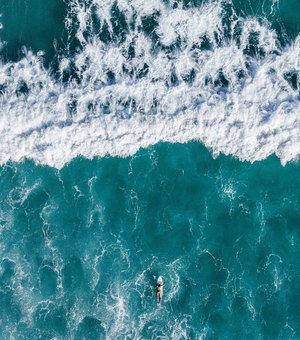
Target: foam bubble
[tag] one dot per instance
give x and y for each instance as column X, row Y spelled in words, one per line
column 176, row 77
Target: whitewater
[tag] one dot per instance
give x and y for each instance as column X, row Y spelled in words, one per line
column 160, row 72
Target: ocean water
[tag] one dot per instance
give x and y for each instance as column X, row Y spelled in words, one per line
column 146, row 138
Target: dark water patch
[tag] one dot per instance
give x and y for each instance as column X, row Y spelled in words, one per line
column 293, row 79
column 130, row 53
column 254, row 48
column 104, row 33
column 192, row 3
column 90, row 328
column 2, row 89
column 50, row 320
column 111, row 78
column 95, row 21
column 150, row 24
column 272, row 310
column 221, row 80
column 205, row 44
column 119, row 24
column 48, row 280
column 10, row 311
column 22, row 88
column 34, row 24
column 73, row 274
column 228, row 17
column 7, row 272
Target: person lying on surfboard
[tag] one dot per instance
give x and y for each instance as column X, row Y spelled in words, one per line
column 159, row 289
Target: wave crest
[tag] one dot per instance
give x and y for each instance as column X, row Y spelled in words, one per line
column 144, row 73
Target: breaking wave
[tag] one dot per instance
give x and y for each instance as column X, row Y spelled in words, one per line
column 145, row 72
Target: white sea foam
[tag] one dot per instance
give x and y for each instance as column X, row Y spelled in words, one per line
column 251, row 117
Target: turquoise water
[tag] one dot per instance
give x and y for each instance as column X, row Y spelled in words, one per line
column 85, row 233
column 34, row 24
column 82, row 247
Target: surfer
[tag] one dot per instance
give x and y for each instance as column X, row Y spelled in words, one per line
column 159, row 289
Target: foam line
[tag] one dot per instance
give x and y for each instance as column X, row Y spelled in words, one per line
column 186, row 76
